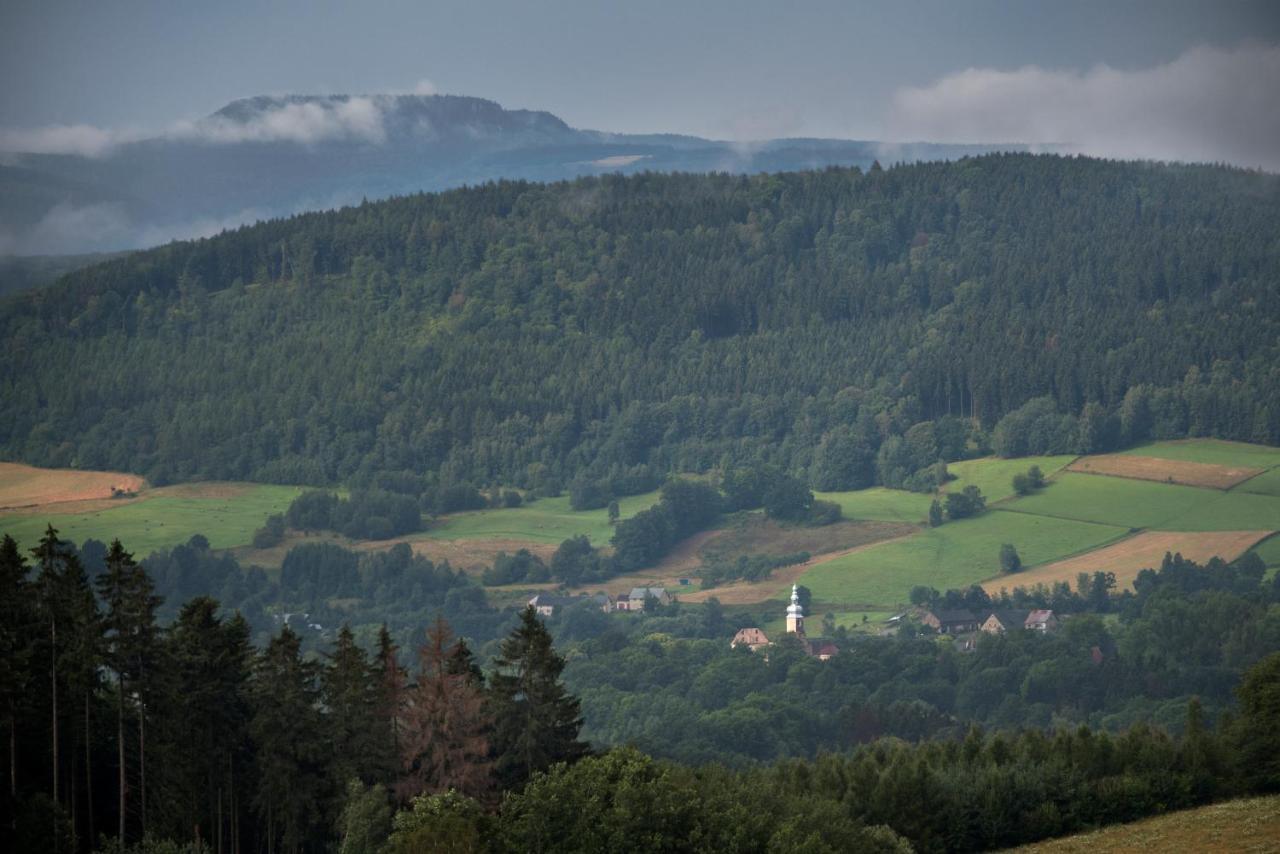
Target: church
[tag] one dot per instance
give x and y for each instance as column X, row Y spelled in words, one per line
column 755, row 639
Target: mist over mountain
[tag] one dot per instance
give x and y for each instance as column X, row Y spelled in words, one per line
column 265, row 157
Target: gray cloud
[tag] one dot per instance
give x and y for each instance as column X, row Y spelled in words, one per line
column 1209, row 104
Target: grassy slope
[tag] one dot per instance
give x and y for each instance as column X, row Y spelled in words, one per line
column 955, row 555
column 164, row 518
column 1213, row 451
column 547, row 520
column 880, row 504
column 994, row 476
column 1267, row 483
column 1244, row 826
column 1146, row 504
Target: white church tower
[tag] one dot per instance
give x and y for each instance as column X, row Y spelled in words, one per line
column 795, row 614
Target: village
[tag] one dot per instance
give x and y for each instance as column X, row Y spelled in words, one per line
column 962, row 625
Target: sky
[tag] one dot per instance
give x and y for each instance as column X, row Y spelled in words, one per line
column 1162, row 78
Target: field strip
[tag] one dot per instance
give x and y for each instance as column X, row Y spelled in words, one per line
column 1162, row 470
column 752, row 592
column 1129, row 556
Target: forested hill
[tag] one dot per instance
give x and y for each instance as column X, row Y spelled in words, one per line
column 529, row 334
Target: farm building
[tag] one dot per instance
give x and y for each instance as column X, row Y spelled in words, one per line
column 752, row 638
column 951, row 622
column 755, row 639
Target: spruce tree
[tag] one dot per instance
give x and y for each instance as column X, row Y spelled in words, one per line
column 350, row 694
column 287, row 732
column 131, row 647
column 536, row 721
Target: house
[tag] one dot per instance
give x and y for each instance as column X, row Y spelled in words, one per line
column 999, row 622
column 634, row 601
column 546, row 604
column 823, row 649
column 951, row 622
column 1041, row 621
column 752, row 638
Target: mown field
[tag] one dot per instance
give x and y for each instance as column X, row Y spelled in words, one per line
column 1251, row 825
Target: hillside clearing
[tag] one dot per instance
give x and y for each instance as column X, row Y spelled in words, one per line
column 23, row 486
column 881, row 504
column 547, row 520
column 994, row 475
column 1131, row 555
column 1208, row 475
column 1251, row 825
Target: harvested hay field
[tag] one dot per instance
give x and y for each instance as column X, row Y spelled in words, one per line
column 1131, row 555
column 23, row 486
column 1251, row 825
column 1163, row 470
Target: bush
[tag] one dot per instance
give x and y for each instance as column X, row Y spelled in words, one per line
column 271, row 534
column 1009, row 560
column 967, row 502
column 824, row 513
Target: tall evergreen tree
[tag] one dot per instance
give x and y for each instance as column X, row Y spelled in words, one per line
column 132, row 648
column 16, row 649
column 536, row 721
column 350, row 690
column 287, row 731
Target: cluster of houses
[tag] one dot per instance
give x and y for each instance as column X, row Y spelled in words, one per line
column 547, row 604
column 756, row 640
column 964, row 625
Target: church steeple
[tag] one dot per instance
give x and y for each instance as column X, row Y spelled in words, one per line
column 795, row 613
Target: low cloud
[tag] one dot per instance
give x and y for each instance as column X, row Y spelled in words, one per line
column 1209, row 104
column 82, row 140
column 306, row 123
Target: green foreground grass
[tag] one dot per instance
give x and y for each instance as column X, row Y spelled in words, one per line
column 547, row 520
column 954, row 555
column 163, row 520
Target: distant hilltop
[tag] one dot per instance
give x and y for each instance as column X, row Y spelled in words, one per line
column 270, row 156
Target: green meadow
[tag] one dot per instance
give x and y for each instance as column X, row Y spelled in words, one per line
column 1269, row 550
column 954, row 555
column 164, row 519
column 1214, row 451
column 1148, row 504
column 881, row 505
column 994, row 476
column 1267, row 483
column 547, row 520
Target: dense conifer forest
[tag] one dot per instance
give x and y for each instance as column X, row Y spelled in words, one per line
column 620, row 328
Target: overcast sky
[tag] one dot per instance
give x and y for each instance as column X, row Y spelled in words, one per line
column 1164, row 78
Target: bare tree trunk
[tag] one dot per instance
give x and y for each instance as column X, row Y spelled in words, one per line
column 120, row 752
column 53, row 679
column 142, row 764
column 88, row 767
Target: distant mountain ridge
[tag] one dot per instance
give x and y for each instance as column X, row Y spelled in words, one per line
column 269, row 156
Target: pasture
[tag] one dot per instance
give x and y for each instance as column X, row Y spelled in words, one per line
column 881, row 504
column 954, row 555
column 1161, row 470
column 1214, row 451
column 994, row 476
column 1251, row 825
column 1267, row 483
column 226, row 513
column 547, row 520
column 1131, row 555
column 1143, row 504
